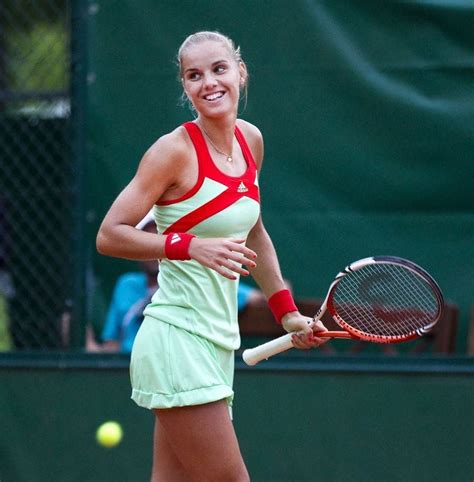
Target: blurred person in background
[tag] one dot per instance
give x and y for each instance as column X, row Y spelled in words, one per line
column 7, row 288
column 7, row 293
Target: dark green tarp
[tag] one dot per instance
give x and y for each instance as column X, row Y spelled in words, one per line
column 367, row 110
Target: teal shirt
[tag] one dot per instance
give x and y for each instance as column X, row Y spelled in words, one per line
column 125, row 313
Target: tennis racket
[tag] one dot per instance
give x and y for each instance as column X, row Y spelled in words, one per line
column 382, row 299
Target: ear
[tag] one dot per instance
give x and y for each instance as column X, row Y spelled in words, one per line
column 185, row 94
column 243, row 73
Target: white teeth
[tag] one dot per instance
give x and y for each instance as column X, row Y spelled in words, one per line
column 214, row 96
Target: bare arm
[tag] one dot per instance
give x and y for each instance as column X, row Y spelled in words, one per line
column 267, row 273
column 117, row 235
column 268, row 276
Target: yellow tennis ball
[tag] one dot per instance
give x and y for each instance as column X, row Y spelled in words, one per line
column 109, row 434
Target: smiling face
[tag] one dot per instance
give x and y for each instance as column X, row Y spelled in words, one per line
column 212, row 78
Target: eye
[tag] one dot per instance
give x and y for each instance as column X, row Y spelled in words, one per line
column 219, row 69
column 193, row 76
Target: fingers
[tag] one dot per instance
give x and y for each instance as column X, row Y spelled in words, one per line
column 232, row 262
column 307, row 338
column 224, row 272
column 303, row 340
column 303, row 337
column 241, row 254
column 233, row 268
column 226, row 256
column 318, row 327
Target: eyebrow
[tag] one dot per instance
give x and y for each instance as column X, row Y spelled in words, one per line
column 192, row 69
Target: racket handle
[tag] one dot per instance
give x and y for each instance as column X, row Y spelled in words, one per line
column 254, row 355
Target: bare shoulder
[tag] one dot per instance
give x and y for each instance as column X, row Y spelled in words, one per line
column 168, row 168
column 169, row 148
column 254, row 139
column 163, row 164
column 250, row 131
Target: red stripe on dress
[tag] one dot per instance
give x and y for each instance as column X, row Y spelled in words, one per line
column 212, row 207
column 252, row 193
column 245, row 150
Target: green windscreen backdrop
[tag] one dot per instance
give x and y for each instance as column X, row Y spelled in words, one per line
column 367, row 111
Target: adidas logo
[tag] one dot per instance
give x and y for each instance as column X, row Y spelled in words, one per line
column 176, row 238
column 242, row 187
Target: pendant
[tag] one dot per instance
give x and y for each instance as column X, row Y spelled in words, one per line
column 229, row 159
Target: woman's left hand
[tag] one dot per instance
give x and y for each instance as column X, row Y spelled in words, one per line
column 303, row 330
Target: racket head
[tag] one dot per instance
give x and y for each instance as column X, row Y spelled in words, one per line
column 385, row 299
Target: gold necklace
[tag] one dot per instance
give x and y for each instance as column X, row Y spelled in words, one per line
column 228, row 157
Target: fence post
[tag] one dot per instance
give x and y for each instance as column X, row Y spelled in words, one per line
column 78, row 127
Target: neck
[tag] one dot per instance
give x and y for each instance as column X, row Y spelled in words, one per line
column 220, row 130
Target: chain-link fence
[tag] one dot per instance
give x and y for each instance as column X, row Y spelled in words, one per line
column 35, row 174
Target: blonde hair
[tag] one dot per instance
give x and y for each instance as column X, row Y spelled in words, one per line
column 205, row 36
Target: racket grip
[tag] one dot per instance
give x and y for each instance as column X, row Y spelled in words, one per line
column 252, row 356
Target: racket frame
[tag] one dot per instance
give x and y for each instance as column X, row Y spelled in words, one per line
column 394, row 260
column 253, row 355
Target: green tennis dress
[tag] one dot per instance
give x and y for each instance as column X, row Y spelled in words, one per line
column 183, row 353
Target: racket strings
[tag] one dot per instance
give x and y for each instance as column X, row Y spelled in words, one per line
column 386, row 307
column 385, row 300
column 406, row 309
column 396, row 305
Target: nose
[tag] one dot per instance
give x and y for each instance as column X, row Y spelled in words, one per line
column 209, row 80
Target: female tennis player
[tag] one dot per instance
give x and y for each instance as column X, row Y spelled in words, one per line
column 202, row 182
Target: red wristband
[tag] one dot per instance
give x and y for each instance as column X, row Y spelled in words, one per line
column 281, row 303
column 177, row 246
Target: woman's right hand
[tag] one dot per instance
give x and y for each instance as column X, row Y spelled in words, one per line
column 223, row 255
